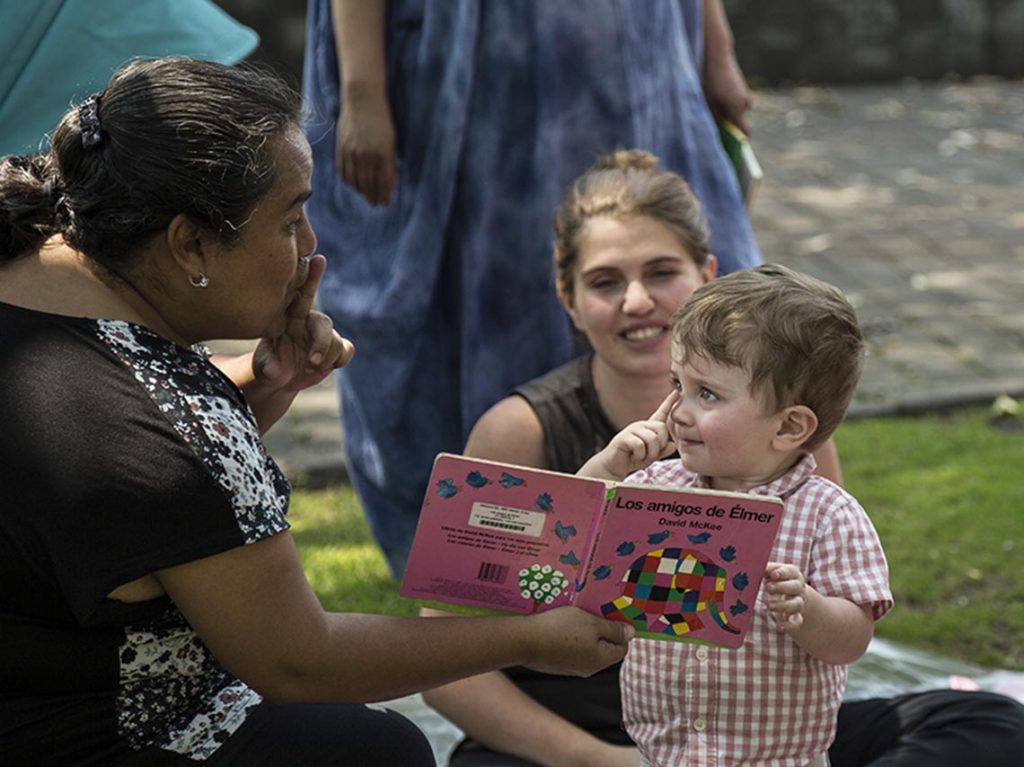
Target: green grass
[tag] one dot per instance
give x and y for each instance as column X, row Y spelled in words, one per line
column 342, row 561
column 946, row 493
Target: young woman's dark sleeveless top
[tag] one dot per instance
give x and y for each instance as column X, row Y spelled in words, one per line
column 565, row 401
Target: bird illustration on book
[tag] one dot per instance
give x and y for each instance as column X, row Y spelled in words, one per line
column 570, row 559
column 544, row 502
column 700, row 538
column 564, row 532
column 510, row 480
column 668, row 590
column 602, row 572
column 626, row 548
column 727, row 553
column 476, row 479
column 446, row 488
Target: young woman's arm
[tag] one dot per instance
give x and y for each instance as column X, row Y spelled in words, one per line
column 509, row 432
column 827, row 458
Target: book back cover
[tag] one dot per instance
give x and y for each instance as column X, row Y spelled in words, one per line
column 499, row 537
column 681, row 563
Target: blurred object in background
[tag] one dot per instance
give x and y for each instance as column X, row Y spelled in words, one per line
column 282, row 28
column 811, row 41
column 837, row 41
column 57, row 52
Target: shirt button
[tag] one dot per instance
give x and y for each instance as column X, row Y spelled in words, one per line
column 699, row 724
column 702, row 653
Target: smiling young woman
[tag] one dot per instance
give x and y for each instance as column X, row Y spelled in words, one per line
column 633, row 274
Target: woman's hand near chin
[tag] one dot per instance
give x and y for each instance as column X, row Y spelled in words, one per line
column 303, row 355
column 308, row 349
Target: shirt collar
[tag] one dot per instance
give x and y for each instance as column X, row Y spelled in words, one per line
column 785, row 485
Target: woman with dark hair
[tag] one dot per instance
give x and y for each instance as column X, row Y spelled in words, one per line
column 156, row 611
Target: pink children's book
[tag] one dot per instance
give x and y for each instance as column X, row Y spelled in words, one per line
column 677, row 563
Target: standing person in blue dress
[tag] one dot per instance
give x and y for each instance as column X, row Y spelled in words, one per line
column 444, row 133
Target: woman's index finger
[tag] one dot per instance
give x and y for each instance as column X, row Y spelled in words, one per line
column 307, row 293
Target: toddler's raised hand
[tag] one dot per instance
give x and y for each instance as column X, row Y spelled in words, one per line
column 784, row 587
column 636, row 447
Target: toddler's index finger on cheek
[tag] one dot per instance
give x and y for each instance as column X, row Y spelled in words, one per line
column 661, row 414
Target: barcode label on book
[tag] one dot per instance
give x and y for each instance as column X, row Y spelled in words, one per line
column 494, row 517
column 492, row 572
column 503, row 525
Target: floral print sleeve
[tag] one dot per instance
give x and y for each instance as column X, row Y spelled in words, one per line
column 212, row 418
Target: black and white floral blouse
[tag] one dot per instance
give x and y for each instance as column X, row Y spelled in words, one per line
column 121, row 453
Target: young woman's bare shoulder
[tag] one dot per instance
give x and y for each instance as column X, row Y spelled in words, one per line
column 510, row 432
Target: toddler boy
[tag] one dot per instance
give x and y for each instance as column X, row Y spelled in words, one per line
column 764, row 364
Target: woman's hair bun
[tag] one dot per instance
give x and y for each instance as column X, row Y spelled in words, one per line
column 27, row 204
column 626, row 159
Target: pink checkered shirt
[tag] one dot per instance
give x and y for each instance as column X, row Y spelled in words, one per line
column 768, row 702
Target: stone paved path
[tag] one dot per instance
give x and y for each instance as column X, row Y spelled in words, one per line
column 911, row 199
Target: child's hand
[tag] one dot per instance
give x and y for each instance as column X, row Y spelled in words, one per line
column 784, row 587
column 636, row 447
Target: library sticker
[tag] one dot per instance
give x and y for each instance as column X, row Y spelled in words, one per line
column 490, row 516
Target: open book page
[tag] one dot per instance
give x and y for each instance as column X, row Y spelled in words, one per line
column 681, row 563
column 501, row 537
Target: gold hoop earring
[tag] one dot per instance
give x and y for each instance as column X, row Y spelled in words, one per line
column 202, row 282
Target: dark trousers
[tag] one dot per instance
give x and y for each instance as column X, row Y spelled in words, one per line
column 324, row 736
column 938, row 728
column 273, row 735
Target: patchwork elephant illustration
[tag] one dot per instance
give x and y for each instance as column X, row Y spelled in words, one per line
column 668, row 590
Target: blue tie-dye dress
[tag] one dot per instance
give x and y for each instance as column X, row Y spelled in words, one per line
column 448, row 293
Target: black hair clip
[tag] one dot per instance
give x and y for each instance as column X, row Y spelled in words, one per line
column 89, row 122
